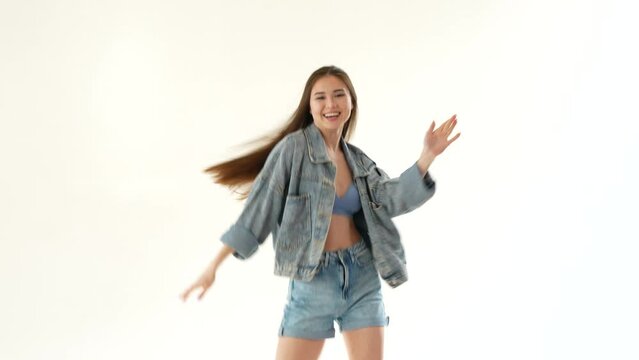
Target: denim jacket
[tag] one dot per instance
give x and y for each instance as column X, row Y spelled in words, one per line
column 292, row 198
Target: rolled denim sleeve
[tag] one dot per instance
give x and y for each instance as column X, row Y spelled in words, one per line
column 405, row 193
column 262, row 208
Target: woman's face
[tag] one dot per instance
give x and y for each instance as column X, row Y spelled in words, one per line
column 331, row 104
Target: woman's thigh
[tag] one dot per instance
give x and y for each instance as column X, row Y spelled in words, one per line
column 365, row 343
column 289, row 348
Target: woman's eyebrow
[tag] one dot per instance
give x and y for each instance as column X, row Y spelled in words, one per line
column 322, row 92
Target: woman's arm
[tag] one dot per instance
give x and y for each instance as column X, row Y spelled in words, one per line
column 208, row 276
column 257, row 219
column 414, row 186
column 435, row 142
column 424, row 161
column 264, row 204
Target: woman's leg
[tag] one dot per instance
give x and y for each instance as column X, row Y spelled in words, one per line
column 289, row 348
column 366, row 343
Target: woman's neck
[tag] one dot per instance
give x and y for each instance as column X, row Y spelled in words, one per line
column 331, row 140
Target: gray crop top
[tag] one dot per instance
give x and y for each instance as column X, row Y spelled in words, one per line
column 349, row 204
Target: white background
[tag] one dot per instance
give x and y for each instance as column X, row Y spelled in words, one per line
column 111, row 110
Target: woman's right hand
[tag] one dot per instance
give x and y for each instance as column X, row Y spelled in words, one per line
column 204, row 281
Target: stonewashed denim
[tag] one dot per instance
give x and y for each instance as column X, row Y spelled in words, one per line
column 292, row 198
column 346, row 289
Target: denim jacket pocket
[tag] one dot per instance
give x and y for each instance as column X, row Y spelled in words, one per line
column 296, row 222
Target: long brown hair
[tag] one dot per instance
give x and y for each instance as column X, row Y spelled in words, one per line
column 239, row 173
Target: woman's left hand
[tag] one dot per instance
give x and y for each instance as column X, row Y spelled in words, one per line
column 436, row 141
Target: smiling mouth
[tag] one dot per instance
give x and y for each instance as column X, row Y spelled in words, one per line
column 331, row 116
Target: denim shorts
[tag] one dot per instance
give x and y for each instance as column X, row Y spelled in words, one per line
column 346, row 289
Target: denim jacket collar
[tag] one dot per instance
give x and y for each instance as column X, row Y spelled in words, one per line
column 318, row 154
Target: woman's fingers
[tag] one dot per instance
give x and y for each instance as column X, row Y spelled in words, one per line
column 454, row 138
column 204, row 289
column 197, row 284
column 451, row 124
column 205, row 281
column 186, row 292
column 437, row 141
column 448, row 124
column 442, row 126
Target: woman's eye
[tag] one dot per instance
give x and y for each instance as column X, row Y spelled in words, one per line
column 319, row 98
column 339, row 95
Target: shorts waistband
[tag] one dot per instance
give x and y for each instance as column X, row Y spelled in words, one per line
column 349, row 252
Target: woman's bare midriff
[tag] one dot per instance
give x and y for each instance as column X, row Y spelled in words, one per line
column 342, row 233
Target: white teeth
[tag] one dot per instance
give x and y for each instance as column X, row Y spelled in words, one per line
column 331, row 114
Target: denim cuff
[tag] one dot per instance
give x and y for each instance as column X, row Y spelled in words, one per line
column 415, row 175
column 428, row 180
column 241, row 240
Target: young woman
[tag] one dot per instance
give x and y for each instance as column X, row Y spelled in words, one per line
column 329, row 208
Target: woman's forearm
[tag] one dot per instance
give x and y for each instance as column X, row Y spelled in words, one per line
column 221, row 255
column 424, row 161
